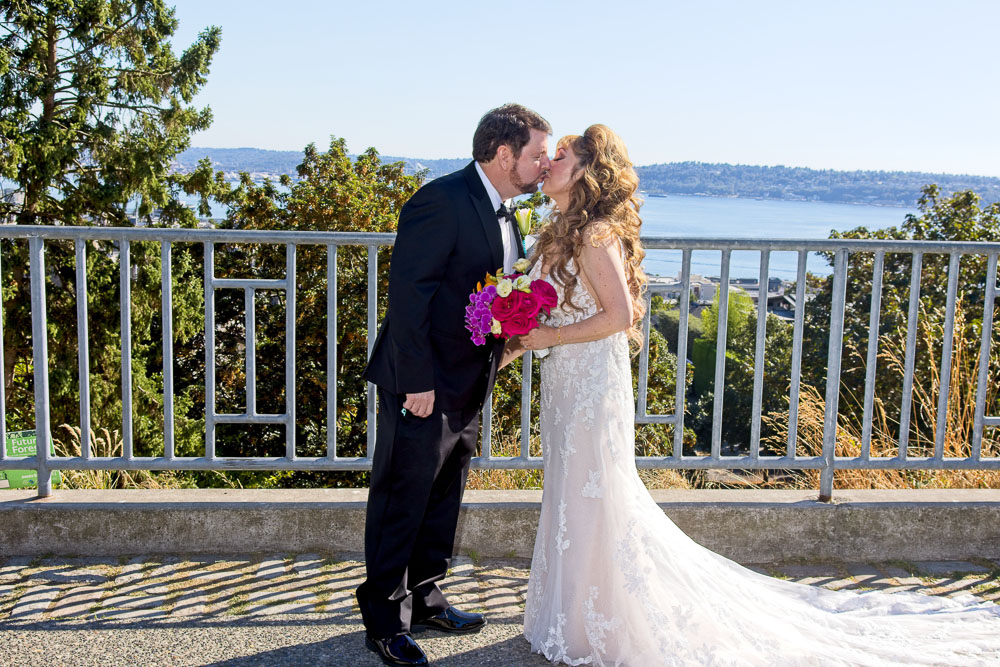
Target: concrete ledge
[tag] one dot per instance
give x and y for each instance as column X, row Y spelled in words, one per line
column 747, row 526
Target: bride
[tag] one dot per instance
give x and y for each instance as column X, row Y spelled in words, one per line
column 613, row 581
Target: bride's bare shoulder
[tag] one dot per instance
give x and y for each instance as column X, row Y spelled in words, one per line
column 599, row 233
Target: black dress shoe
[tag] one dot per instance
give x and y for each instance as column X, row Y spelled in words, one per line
column 398, row 650
column 452, row 620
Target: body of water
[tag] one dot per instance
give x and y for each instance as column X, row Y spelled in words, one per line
column 730, row 218
column 678, row 216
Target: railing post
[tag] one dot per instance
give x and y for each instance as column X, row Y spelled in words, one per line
column 290, row 273
column 331, row 351
column 3, row 376
column 833, row 375
column 372, row 325
column 125, row 269
column 167, row 315
column 722, row 329
column 40, row 358
column 83, row 346
column 984, row 356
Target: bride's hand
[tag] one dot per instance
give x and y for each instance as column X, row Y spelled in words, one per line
column 539, row 338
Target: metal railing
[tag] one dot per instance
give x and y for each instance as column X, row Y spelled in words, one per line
column 826, row 462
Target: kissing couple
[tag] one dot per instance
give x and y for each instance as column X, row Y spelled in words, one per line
column 613, row 581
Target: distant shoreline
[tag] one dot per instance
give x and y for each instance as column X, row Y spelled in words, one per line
column 804, row 201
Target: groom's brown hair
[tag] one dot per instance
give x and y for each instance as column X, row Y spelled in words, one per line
column 509, row 125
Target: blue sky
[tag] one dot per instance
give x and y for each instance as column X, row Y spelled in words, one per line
column 879, row 84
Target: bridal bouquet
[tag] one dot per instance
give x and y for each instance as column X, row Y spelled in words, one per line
column 507, row 304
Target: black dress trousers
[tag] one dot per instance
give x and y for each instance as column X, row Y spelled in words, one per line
column 419, row 471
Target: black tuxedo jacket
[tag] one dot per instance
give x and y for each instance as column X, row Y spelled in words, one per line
column 447, row 240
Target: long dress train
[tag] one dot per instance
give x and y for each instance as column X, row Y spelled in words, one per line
column 615, row 582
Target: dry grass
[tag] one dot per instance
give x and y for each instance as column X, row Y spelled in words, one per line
column 507, row 442
column 885, row 430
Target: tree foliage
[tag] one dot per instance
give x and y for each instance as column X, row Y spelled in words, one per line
column 94, row 104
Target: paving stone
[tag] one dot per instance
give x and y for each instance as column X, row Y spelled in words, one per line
column 805, row 570
column 309, row 565
column 341, row 602
column 134, row 601
column 132, row 571
column 126, row 614
column 34, row 601
column 14, row 569
column 836, row 583
column 190, row 604
column 142, row 589
column 281, row 602
column 868, row 576
column 951, row 587
column 66, row 574
column 203, row 576
column 461, row 566
column 947, row 567
column 270, row 569
column 166, row 570
column 502, row 601
column 79, row 601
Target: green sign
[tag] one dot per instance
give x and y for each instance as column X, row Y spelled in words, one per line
column 22, row 443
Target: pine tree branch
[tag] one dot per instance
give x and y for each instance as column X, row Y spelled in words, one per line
column 102, row 40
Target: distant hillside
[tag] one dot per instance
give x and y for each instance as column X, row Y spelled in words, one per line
column 887, row 188
column 891, row 188
column 263, row 163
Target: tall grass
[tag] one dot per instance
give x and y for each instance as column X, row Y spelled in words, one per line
column 885, row 430
column 107, row 444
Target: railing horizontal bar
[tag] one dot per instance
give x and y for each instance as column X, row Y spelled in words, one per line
column 278, row 237
column 239, row 283
column 250, row 419
column 358, row 463
column 363, row 238
column 991, row 421
column 656, row 419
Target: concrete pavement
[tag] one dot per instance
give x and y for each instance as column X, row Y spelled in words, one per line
column 299, row 609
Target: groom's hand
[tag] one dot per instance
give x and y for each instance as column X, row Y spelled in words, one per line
column 420, row 405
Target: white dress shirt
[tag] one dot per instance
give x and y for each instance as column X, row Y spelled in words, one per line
column 506, row 233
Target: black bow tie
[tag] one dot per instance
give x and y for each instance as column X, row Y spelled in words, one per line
column 505, row 213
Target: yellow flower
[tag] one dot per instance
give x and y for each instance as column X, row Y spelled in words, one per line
column 495, row 327
column 522, row 283
column 504, row 288
column 521, row 265
column 523, row 217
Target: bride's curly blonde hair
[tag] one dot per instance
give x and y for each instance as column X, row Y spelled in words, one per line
column 603, row 205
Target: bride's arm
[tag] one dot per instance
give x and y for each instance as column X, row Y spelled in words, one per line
column 604, row 270
column 511, row 351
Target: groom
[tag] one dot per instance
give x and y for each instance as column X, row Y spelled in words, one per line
column 432, row 380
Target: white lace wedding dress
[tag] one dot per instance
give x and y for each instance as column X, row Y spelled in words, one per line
column 615, row 582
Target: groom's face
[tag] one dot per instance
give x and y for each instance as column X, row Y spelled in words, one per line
column 533, row 163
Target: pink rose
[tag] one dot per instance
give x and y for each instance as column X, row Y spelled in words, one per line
column 505, row 307
column 518, row 325
column 530, row 304
column 545, row 294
